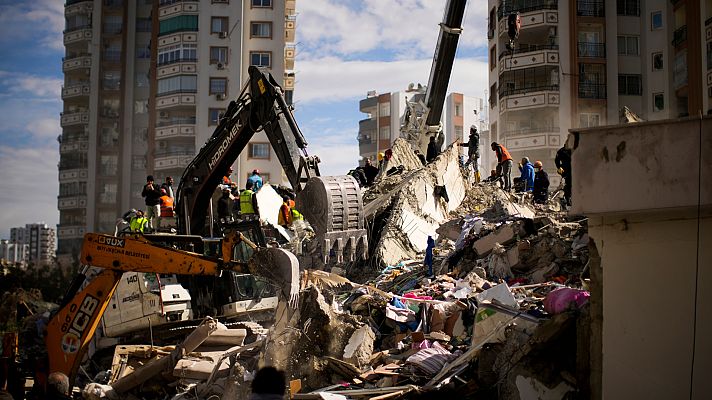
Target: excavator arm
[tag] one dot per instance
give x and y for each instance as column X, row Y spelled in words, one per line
column 72, row 327
column 331, row 204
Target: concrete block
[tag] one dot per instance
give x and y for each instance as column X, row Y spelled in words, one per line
column 513, row 256
column 503, row 235
column 360, row 346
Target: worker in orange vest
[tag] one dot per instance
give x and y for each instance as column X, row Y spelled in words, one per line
column 504, row 164
column 167, row 212
column 285, row 213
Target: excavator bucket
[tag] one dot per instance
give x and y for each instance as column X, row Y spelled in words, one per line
column 279, row 267
column 334, row 207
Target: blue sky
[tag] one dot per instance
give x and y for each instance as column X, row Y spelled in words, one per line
column 344, row 49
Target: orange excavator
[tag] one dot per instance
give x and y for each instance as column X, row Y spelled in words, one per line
column 331, row 204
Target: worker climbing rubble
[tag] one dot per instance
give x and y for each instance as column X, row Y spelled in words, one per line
column 504, row 165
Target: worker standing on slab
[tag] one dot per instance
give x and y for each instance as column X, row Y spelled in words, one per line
column 167, row 212
column 433, row 151
column 370, row 171
column 285, row 213
column 226, row 180
column 153, row 202
column 168, row 186
column 527, row 177
column 563, row 167
column 256, row 180
column 248, row 203
column 541, row 184
column 139, row 223
column 473, row 151
column 225, row 206
column 504, row 164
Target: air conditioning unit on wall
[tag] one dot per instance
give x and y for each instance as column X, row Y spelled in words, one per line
column 220, row 65
column 220, row 96
column 222, row 35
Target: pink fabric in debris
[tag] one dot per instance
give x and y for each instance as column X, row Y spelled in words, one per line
column 560, row 300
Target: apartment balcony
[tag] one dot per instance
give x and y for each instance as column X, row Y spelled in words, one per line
column 368, row 105
column 72, row 7
column 73, row 175
column 179, row 99
column 67, row 231
column 591, row 50
column 74, row 146
column 590, row 8
column 535, row 96
column 290, row 7
column 74, row 118
column 527, row 56
column 70, row 202
column 76, row 91
column 77, row 35
column 171, row 8
column 289, row 81
column 366, row 146
column 290, row 52
column 532, row 139
column 596, row 91
column 177, row 38
column 181, row 66
column 542, row 18
column 367, row 125
column 82, row 61
column 176, row 130
column 168, row 161
column 524, row 6
column 290, row 26
column 679, row 36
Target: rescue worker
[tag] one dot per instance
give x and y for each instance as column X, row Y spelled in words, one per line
column 370, row 171
column 166, row 207
column 226, row 180
column 139, row 222
column 563, row 167
column 527, row 177
column 225, row 206
column 473, row 151
column 433, row 151
column 153, row 202
column 493, row 176
column 504, row 164
column 285, row 213
column 248, row 202
column 168, row 186
column 541, row 184
column 256, row 180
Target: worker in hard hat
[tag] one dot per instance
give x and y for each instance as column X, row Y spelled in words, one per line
column 504, row 164
column 541, row 184
column 256, row 180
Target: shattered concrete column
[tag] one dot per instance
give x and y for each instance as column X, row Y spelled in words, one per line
column 141, row 375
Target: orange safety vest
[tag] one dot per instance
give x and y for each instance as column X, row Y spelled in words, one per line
column 505, row 154
column 285, row 215
column 166, row 206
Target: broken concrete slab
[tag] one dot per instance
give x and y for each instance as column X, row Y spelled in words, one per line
column 360, row 346
column 504, row 235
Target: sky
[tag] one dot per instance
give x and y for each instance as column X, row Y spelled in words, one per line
column 345, row 48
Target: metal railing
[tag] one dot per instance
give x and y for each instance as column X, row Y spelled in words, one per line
column 526, row 48
column 590, row 8
column 171, row 153
column 178, row 60
column 592, row 90
column 77, row 28
column 523, row 131
column 679, row 36
column 176, row 121
column 529, row 89
column 523, row 6
column 162, row 3
column 593, row 50
column 72, row 2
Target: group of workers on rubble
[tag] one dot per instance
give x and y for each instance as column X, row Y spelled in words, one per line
column 160, row 212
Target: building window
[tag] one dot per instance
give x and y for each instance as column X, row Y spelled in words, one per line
column 180, row 23
column 656, row 20
column 289, row 97
column 628, row 45
column 214, row 114
column 143, row 24
column 218, row 55
column 176, row 84
column 261, row 30
column 458, row 110
column 138, row 162
column 177, row 53
column 384, row 109
column 385, row 132
column 261, row 59
column 218, row 85
column 493, row 57
column 630, row 85
column 108, row 193
column 259, row 150
column 629, row 7
column 458, row 132
column 588, row 120
column 262, row 3
column 658, row 101
column 657, row 61
column 218, row 25
column 493, row 95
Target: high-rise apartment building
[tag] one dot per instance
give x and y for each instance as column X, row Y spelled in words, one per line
column 578, row 63
column 145, row 85
column 386, row 113
column 38, row 241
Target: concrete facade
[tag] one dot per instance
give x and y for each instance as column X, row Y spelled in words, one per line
column 144, row 84
column 33, row 244
column 646, row 189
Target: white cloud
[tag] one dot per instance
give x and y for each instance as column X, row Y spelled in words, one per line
column 332, row 79
column 45, row 128
column 25, row 85
column 28, row 189
column 43, row 19
column 405, row 27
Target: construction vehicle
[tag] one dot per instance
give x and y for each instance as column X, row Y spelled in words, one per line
column 331, row 204
column 423, row 110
